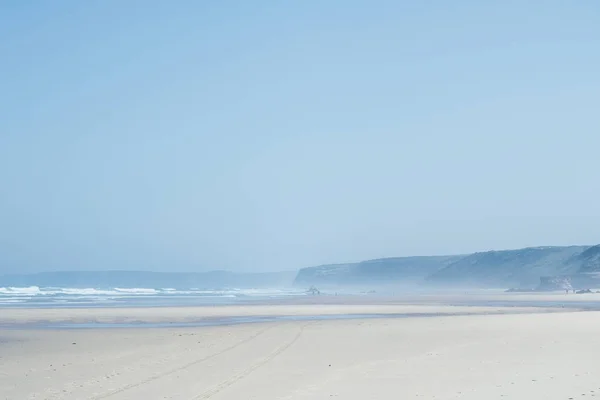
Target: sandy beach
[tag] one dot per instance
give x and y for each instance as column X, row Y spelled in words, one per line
column 153, row 315
column 519, row 354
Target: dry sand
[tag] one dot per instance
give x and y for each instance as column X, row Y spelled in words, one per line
column 512, row 356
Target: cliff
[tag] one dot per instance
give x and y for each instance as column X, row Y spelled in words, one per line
column 494, row 269
column 521, row 268
column 380, row 271
column 589, row 260
column 585, row 274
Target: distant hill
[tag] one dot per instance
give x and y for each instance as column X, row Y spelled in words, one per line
column 589, row 260
column 499, row 269
column 380, row 271
column 522, row 267
column 143, row 279
column 495, row 269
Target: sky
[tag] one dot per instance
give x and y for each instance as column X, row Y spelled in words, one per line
column 273, row 135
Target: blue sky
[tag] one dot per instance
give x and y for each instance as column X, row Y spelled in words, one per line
column 271, row 135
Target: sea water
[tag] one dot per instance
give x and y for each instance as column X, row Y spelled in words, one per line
column 54, row 297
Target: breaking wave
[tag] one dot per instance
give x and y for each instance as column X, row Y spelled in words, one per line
column 49, row 296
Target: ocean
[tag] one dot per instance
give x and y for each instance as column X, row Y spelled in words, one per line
column 34, row 296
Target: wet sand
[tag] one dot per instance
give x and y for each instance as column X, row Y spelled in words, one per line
column 152, row 315
column 521, row 354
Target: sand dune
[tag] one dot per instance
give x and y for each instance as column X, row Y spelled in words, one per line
column 512, row 356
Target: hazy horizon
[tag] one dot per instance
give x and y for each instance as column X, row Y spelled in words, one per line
column 270, row 137
column 142, row 270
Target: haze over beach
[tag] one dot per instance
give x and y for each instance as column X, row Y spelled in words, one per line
column 299, row 200
column 269, row 137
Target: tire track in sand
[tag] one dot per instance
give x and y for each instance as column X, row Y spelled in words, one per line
column 175, row 370
column 241, row 375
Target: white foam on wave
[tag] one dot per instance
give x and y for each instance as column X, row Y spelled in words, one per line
column 136, row 290
column 86, row 292
column 20, row 291
column 44, row 296
column 53, row 291
column 11, row 301
column 37, row 291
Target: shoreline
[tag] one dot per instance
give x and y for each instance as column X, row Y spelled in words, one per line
column 125, row 298
column 225, row 314
column 305, row 309
column 305, row 306
column 257, row 319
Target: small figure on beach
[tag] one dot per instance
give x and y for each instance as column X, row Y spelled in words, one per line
column 313, row 290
